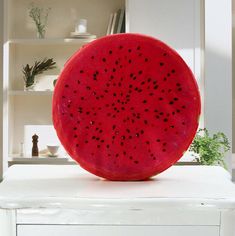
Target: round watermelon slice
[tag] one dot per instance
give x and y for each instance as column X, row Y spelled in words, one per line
column 126, row 107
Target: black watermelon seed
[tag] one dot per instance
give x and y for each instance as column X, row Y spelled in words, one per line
column 81, row 71
column 161, row 64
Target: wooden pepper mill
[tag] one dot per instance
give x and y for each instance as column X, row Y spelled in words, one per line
column 35, row 145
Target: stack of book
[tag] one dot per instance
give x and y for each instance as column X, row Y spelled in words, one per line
column 116, row 22
column 82, row 35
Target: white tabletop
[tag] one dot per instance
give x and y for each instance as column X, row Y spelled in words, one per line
column 63, row 186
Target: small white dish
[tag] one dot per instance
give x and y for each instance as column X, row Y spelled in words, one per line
column 53, row 150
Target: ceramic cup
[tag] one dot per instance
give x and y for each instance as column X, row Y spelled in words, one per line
column 53, row 149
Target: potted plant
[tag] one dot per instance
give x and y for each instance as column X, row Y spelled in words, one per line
column 38, row 68
column 210, row 150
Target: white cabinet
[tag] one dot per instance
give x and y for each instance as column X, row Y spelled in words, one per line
column 91, row 230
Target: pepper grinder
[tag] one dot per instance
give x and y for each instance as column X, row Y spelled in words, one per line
column 35, row 145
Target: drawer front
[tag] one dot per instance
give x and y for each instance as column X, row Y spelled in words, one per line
column 103, row 230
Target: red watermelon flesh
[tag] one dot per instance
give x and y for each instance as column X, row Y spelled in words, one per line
column 126, row 107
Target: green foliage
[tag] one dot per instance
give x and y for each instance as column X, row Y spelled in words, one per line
column 211, row 149
column 38, row 68
column 39, row 16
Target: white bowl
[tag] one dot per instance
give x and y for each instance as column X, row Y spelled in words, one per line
column 53, row 149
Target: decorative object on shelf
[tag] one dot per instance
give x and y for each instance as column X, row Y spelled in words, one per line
column 35, row 145
column 54, row 82
column 40, row 17
column 82, row 35
column 38, row 68
column 81, row 26
column 210, row 150
column 116, row 23
column 126, row 107
column 81, row 31
column 53, row 150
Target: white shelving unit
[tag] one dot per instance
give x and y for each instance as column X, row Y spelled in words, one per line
column 33, row 108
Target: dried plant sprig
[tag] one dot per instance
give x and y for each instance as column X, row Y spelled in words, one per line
column 40, row 17
column 38, row 68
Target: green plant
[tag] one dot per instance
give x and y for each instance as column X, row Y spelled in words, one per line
column 210, row 149
column 39, row 16
column 38, row 68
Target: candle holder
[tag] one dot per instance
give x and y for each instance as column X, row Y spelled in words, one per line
column 81, row 26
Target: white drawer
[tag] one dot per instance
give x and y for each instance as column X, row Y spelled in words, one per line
column 103, row 230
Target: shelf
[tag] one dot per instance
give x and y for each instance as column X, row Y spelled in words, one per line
column 40, row 161
column 47, row 41
column 29, row 93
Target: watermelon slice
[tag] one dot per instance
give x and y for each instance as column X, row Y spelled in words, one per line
column 126, row 107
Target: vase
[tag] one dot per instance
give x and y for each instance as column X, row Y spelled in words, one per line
column 29, row 88
column 41, row 34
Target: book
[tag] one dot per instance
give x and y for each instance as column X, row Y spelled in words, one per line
column 113, row 23
column 120, row 21
column 110, row 24
column 117, row 20
column 123, row 28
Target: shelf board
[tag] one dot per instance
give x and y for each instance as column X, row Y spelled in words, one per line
column 29, row 93
column 47, row 41
column 40, row 161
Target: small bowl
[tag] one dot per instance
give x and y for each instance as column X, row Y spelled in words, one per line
column 53, row 149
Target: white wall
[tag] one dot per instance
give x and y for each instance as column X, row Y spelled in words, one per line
column 200, row 30
column 218, row 67
column 1, row 79
column 233, row 54
column 177, row 23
